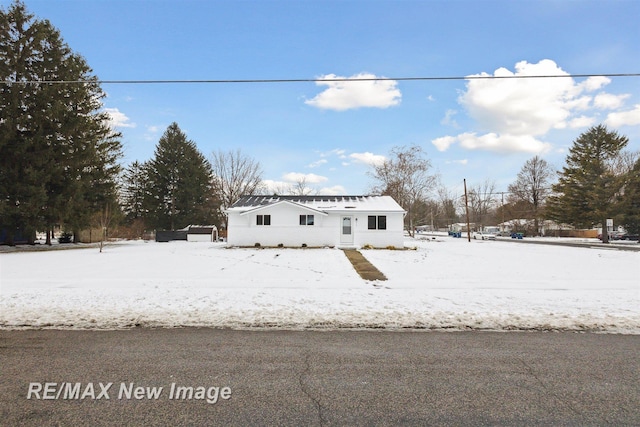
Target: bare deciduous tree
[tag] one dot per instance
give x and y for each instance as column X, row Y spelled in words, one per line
column 405, row 176
column 532, row 186
column 300, row 188
column 448, row 205
column 102, row 220
column 624, row 162
column 481, row 200
column 234, row 174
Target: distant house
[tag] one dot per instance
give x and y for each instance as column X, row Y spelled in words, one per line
column 315, row 221
column 460, row 227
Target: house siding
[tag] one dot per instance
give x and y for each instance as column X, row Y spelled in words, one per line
column 285, row 228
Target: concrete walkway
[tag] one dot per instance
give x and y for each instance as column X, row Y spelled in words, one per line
column 363, row 267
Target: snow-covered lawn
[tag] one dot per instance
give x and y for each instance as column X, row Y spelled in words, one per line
column 445, row 284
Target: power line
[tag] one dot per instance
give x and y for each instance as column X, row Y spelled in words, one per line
column 322, row 80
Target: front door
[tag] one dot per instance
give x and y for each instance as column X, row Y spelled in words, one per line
column 346, row 230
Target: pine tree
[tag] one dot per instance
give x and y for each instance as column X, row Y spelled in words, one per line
column 135, row 188
column 630, row 201
column 587, row 185
column 58, row 155
column 180, row 177
column 22, row 189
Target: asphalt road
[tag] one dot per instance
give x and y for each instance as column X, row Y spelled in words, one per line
column 285, row 378
column 613, row 245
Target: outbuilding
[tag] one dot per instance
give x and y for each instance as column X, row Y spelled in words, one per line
column 191, row 233
column 202, row 233
column 316, row 221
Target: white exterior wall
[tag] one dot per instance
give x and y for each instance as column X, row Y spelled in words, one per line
column 285, row 228
column 392, row 236
column 199, row 238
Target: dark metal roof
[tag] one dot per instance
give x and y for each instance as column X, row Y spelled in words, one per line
column 202, row 230
column 252, row 200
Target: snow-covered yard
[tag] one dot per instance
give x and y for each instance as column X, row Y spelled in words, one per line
column 445, row 284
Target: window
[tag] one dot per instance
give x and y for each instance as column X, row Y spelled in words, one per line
column 306, row 219
column 346, row 225
column 382, row 222
column 263, row 219
column 372, row 222
column 377, row 222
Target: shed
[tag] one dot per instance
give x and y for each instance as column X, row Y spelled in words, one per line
column 170, row 235
column 202, row 233
column 316, row 221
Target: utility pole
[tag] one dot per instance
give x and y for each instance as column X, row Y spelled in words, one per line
column 466, row 206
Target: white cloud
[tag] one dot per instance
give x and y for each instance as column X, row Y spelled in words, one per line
column 448, row 118
column 336, row 151
column 367, row 158
column 514, row 114
column 502, row 143
column 443, row 143
column 607, row 101
column 286, row 186
column 622, row 118
column 309, row 178
column 459, row 162
column 317, row 163
column 346, row 95
column 152, row 133
column 332, row 191
column 276, row 187
column 594, row 83
column 521, row 106
column 581, row 122
column 118, row 119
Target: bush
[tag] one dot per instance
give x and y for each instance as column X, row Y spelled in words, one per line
column 257, row 245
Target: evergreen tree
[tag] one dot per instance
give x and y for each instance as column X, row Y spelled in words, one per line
column 135, row 189
column 58, row 155
column 630, row 201
column 180, row 177
column 587, row 185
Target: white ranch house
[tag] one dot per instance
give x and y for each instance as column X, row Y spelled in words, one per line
column 316, row 221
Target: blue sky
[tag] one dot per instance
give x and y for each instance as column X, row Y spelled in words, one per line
column 479, row 130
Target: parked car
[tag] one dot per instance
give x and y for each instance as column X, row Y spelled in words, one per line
column 614, row 235
column 483, row 236
column 626, row 236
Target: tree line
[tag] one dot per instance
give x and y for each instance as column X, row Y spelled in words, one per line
column 600, row 180
column 60, row 163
